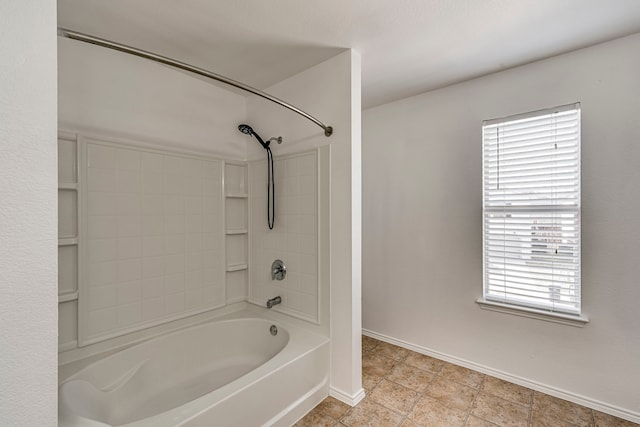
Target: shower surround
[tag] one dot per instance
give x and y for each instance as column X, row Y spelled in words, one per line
column 191, row 241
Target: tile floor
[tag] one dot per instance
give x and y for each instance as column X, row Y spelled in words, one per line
column 409, row 389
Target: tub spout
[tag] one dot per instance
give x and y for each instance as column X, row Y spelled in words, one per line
column 273, row 301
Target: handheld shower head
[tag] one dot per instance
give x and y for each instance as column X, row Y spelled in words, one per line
column 248, row 130
column 271, row 187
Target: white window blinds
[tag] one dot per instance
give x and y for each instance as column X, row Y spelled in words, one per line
column 531, row 207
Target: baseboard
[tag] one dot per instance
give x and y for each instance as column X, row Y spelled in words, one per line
column 351, row 400
column 543, row 388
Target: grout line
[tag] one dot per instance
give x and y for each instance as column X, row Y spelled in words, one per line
column 473, row 402
column 385, row 377
column 530, row 418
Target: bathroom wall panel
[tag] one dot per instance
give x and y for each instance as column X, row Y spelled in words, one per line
column 67, row 161
column 293, row 239
column 235, row 181
column 154, row 240
column 67, row 213
column 236, row 213
column 236, row 249
column 236, row 286
column 67, row 323
column 67, row 269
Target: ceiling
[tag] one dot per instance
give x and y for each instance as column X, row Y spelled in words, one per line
column 407, row 46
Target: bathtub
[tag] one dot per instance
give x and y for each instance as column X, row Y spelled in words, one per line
column 229, row 372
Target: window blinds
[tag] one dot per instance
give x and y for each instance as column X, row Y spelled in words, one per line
column 531, row 207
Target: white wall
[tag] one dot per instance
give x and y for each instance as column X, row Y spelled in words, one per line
column 106, row 91
column 422, row 225
column 331, row 92
column 28, row 212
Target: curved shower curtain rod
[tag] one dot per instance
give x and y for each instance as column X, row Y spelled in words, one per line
column 328, row 130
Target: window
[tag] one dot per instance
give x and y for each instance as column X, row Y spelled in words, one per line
column 531, row 208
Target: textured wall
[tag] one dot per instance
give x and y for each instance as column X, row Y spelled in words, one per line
column 423, row 224
column 28, row 212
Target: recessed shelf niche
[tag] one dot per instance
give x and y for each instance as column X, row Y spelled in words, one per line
column 68, row 240
column 236, row 230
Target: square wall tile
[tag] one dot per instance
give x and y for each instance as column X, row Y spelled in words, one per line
column 293, row 239
column 153, row 241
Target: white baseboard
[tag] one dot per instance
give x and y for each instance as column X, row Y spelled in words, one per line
column 543, row 388
column 351, row 400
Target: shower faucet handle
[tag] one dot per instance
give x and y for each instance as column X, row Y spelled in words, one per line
column 278, row 270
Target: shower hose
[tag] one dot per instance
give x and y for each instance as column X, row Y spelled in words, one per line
column 271, row 191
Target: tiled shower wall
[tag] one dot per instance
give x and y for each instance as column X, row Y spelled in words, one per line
column 294, row 238
column 143, row 237
column 153, row 237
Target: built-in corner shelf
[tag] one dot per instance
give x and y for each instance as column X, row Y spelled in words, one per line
column 69, row 201
column 237, row 267
column 67, row 186
column 67, row 241
column 236, row 231
column 68, row 296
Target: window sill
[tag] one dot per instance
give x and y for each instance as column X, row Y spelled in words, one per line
column 532, row 313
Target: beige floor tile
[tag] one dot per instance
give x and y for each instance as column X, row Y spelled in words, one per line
column 424, row 362
column 374, row 364
column 316, row 419
column 369, row 343
column 507, row 390
column 370, row 381
column 433, row 413
column 452, row 394
column 541, row 419
column 606, row 420
column 391, row 351
column 462, row 375
column 408, row 423
column 500, row 411
column 369, row 414
column 394, row 396
column 408, row 376
column 332, row 407
column 561, row 409
column 474, row 421
column 394, row 377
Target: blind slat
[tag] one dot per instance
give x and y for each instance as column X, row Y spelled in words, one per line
column 558, row 293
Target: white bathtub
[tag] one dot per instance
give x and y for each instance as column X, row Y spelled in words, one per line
column 230, row 372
